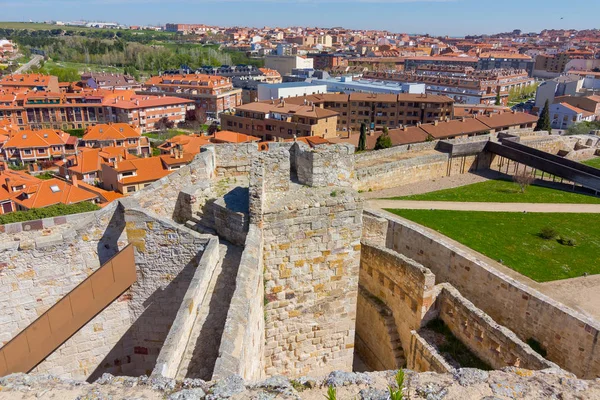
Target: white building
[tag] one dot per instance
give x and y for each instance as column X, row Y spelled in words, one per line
column 289, row 89
column 346, row 84
column 563, row 115
column 285, row 64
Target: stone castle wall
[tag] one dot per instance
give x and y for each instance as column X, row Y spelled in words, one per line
column 167, row 255
column 233, row 159
column 492, row 343
column 405, row 286
column 568, row 337
column 373, row 341
column 243, row 343
column 311, row 258
column 172, row 351
column 33, row 278
column 423, row 357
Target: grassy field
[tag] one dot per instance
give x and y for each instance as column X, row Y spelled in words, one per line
column 504, row 192
column 81, row 67
column 594, row 162
column 170, row 133
column 514, row 238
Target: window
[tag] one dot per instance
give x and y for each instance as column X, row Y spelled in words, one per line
column 130, row 189
column 54, row 189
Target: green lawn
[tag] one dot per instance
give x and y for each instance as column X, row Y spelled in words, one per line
column 594, row 162
column 170, row 133
column 504, row 192
column 81, row 67
column 514, row 238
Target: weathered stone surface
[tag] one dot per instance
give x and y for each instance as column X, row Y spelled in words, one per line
column 498, row 385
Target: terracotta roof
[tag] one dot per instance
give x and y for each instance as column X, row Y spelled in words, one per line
column 398, row 136
column 41, row 138
column 501, row 120
column 150, row 169
column 106, row 196
column 287, row 108
column 454, row 127
column 189, row 143
column 25, row 80
column 53, row 191
column 232, row 137
column 111, row 132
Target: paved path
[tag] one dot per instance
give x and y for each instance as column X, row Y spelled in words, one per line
column 34, row 62
column 498, row 207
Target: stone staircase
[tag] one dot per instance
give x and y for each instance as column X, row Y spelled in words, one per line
column 395, row 342
column 202, row 349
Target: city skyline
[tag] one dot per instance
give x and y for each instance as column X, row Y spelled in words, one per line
column 435, row 17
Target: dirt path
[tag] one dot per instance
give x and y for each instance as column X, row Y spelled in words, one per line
column 491, row 207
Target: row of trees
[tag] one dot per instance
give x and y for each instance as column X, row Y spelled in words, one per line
column 124, row 52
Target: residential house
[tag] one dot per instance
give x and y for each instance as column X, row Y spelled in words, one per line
column 130, row 176
column 116, row 135
column 86, row 165
column 20, row 191
column 44, row 145
column 563, row 115
column 105, row 80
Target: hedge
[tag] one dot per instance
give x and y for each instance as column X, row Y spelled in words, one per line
column 47, row 212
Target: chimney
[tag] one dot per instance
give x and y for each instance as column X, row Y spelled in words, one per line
column 435, row 123
column 172, row 151
column 75, row 181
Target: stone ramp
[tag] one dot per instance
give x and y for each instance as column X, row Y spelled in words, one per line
column 201, row 352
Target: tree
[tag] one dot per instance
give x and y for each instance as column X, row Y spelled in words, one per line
column 543, row 123
column 213, row 128
column 498, row 100
column 383, row 141
column 523, row 179
column 362, row 140
column 163, row 124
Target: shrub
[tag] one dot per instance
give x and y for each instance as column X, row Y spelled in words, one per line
column 333, row 193
column 47, row 212
column 567, row 241
column 397, row 394
column 548, row 233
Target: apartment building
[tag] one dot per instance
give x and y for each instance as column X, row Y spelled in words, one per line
column 28, row 146
column 130, row 176
column 502, row 60
column 587, row 103
column 211, row 94
column 285, row 64
column 281, row 120
column 38, row 82
column 145, row 111
column 327, row 61
column 379, row 110
column 464, row 85
column 116, row 135
column 412, row 63
column 51, row 110
column 553, row 63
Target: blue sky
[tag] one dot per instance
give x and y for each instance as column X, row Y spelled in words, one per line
column 437, row 17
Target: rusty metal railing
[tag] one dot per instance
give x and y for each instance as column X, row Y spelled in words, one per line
column 47, row 333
